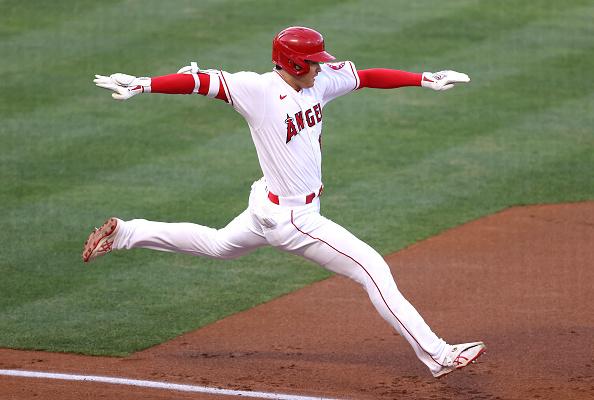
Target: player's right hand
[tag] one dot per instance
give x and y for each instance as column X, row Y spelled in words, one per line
column 123, row 86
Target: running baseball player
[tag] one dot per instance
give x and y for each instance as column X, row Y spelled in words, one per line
column 284, row 111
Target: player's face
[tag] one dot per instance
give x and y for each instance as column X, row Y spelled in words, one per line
column 303, row 81
column 308, row 80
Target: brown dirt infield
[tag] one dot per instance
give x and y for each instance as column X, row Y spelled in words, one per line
column 521, row 280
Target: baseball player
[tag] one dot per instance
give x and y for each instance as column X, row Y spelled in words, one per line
column 284, row 111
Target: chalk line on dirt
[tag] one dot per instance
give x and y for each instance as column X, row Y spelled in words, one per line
column 155, row 385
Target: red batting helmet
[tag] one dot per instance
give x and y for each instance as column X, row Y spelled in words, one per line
column 291, row 47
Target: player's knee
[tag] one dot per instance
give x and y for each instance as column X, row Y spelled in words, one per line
column 222, row 248
column 358, row 276
column 223, row 252
column 379, row 277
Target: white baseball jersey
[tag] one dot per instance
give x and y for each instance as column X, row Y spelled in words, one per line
column 286, row 125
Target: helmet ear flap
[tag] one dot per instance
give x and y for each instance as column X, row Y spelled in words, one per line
column 292, row 46
column 291, row 63
column 299, row 67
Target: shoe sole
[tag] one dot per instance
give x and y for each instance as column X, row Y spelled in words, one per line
column 97, row 237
column 471, row 361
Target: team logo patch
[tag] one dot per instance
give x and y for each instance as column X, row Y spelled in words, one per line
column 336, row 66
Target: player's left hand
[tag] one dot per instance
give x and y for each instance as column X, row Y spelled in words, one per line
column 123, row 86
column 443, row 80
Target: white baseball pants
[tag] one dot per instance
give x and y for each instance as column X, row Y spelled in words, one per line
column 299, row 230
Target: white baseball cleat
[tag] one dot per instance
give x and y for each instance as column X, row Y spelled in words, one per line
column 459, row 356
column 100, row 240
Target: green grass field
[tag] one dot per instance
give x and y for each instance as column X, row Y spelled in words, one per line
column 399, row 165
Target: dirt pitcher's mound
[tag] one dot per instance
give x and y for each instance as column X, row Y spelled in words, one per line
column 521, row 280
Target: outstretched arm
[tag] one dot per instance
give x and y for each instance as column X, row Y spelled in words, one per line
column 379, row 78
column 207, row 83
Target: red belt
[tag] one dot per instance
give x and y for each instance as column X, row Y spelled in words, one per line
column 294, row 200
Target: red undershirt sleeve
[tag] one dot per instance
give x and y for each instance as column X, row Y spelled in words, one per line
column 206, row 84
column 173, row 84
column 381, row 78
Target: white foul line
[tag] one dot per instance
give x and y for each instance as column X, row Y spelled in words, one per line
column 155, row 385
